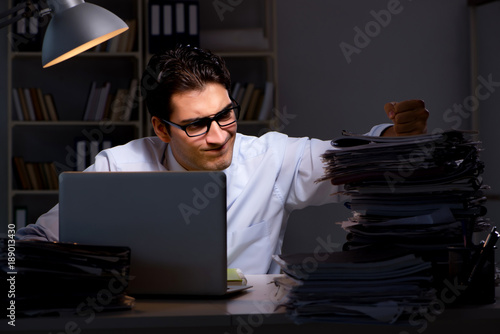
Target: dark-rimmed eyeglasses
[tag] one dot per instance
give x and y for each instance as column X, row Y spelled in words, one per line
column 201, row 126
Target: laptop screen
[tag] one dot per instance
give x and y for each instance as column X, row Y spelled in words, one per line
column 173, row 222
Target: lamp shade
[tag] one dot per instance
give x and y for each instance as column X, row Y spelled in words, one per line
column 75, row 27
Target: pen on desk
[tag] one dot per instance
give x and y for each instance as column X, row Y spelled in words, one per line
column 488, row 245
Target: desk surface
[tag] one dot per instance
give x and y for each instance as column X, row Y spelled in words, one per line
column 254, row 311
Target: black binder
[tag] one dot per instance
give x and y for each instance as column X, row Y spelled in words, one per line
column 56, row 277
column 171, row 23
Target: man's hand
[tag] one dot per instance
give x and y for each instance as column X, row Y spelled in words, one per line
column 409, row 118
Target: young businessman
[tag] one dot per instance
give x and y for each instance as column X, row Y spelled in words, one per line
column 187, row 92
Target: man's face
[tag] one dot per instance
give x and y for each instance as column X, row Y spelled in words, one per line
column 211, row 151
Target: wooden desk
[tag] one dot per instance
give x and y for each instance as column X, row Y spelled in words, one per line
column 252, row 312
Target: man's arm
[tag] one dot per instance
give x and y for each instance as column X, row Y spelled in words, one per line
column 409, row 118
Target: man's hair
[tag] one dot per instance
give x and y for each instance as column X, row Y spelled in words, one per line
column 182, row 69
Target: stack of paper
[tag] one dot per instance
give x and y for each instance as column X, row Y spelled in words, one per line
column 419, row 192
column 358, row 286
column 411, row 199
column 53, row 277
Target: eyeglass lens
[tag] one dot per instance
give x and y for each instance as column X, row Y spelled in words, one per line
column 224, row 118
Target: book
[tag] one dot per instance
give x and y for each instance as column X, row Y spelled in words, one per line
column 81, row 155
column 238, row 96
column 53, row 176
column 130, row 100
column 106, row 144
column 24, row 105
column 246, row 99
column 51, row 107
column 17, row 105
column 235, row 90
column 91, row 102
column 34, row 176
column 20, row 216
column 118, row 105
column 236, row 277
column 101, row 102
column 42, row 104
column 267, row 103
column 22, row 176
column 29, row 104
column 93, row 150
column 36, row 104
column 193, row 32
column 41, row 168
column 107, row 107
column 253, row 105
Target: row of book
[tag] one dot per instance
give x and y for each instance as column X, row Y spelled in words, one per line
column 86, row 150
column 104, row 104
column 35, row 175
column 31, row 104
column 44, row 175
column 171, row 23
column 256, row 102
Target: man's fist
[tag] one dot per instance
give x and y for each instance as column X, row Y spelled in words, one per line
column 409, row 118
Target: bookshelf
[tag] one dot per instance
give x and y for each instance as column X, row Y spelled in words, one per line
column 46, row 142
column 53, row 140
column 244, row 34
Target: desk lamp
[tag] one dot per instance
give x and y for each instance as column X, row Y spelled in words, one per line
column 75, row 26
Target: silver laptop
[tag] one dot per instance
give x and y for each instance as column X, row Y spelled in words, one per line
column 173, row 222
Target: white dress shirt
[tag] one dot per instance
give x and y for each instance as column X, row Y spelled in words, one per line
column 269, row 177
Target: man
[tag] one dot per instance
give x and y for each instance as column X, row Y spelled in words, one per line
column 187, row 92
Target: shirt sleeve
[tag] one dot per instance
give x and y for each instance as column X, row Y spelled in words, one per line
column 377, row 130
column 306, row 190
column 45, row 229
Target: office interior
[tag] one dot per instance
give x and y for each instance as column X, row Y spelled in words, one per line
column 422, row 51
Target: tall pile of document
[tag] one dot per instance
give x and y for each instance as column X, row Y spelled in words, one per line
column 411, row 198
column 55, row 278
column 421, row 192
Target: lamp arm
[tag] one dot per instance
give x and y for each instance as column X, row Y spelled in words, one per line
column 29, row 11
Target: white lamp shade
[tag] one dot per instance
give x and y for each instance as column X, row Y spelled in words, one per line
column 77, row 29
